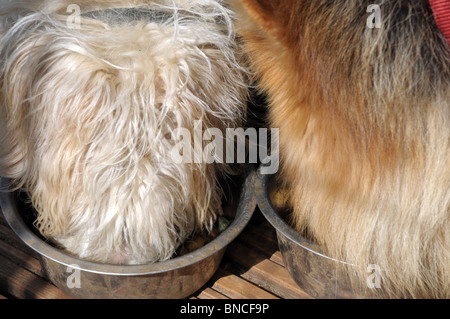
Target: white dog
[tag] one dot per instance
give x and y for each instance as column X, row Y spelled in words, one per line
column 91, row 94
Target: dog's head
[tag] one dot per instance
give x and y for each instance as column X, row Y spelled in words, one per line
column 92, row 94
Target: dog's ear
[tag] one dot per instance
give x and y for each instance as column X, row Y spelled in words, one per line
column 272, row 16
column 262, row 11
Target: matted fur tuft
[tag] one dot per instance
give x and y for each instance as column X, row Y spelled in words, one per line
column 364, row 119
column 90, row 115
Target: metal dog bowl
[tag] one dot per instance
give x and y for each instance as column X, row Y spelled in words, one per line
column 316, row 273
column 179, row 277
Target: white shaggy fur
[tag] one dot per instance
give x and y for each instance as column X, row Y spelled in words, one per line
column 89, row 115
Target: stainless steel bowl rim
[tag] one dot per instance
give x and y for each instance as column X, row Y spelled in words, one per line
column 246, row 207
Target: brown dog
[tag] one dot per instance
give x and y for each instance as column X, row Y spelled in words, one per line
column 364, row 119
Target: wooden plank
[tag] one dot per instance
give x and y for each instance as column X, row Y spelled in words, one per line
column 21, row 259
column 7, row 235
column 209, row 293
column 265, row 273
column 238, row 288
column 277, row 258
column 21, row 283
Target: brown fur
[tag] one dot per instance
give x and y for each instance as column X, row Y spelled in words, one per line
column 364, row 131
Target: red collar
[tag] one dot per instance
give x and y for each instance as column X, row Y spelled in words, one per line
column 441, row 12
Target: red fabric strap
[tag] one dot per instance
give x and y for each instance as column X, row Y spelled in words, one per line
column 441, row 12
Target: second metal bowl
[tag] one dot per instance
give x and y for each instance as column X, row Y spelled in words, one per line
column 316, row 273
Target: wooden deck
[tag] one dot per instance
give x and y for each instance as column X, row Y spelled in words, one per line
column 251, row 269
